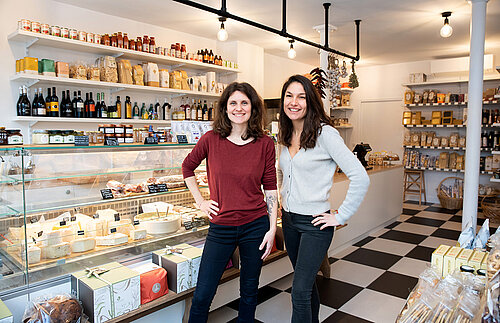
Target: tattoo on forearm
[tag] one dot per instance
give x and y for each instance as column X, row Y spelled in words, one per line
column 271, row 203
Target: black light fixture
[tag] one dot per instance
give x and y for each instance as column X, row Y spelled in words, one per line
column 222, row 34
column 223, row 13
column 446, row 30
column 291, row 52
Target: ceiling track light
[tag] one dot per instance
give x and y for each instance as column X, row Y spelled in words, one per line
column 291, row 52
column 222, row 34
column 222, row 12
column 446, row 31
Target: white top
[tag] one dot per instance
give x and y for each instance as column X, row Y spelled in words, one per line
column 308, row 176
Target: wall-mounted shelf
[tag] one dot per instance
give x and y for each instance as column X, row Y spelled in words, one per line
column 436, row 148
column 344, row 127
column 494, row 180
column 31, row 39
column 451, row 81
column 434, row 126
column 32, row 79
column 437, row 169
column 90, row 120
column 448, row 105
column 346, row 90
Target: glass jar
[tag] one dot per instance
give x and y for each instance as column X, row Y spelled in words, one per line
column 3, row 136
column 129, row 138
column 129, row 129
column 119, row 129
column 14, row 137
column 99, row 138
column 120, row 137
column 55, row 137
column 40, row 137
column 68, row 136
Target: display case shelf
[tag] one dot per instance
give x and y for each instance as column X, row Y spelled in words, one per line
column 37, row 39
column 32, row 79
column 344, row 127
column 342, row 108
column 346, row 90
column 450, row 81
column 90, row 120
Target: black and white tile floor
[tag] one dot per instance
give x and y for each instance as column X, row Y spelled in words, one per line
column 371, row 279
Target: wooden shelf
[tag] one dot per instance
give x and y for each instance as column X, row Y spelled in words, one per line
column 344, row 127
column 32, row 79
column 448, row 105
column 432, row 147
column 32, row 39
column 451, row 81
column 434, row 126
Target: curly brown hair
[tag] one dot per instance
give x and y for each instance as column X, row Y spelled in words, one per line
column 315, row 115
column 222, row 124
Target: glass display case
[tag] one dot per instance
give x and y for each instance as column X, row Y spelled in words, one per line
column 65, row 208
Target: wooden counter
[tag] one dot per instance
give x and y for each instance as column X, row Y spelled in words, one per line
column 339, row 177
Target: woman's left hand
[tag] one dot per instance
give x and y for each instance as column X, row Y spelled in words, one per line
column 267, row 243
column 327, row 219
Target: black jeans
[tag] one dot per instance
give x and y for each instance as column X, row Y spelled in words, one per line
column 306, row 246
column 219, row 246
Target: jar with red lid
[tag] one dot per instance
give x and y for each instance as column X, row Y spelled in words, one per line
column 90, row 37
column 45, row 29
column 25, row 24
column 97, row 39
column 172, row 50
column 73, row 34
column 55, row 31
column 145, row 44
column 131, row 44
column 126, row 42
column 138, row 44
column 82, row 36
column 35, row 26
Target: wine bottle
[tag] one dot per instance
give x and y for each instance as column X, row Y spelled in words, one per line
column 194, row 111
column 25, row 106
column 74, row 104
column 205, row 111
column 151, row 112
column 98, row 110
column 104, row 108
column 86, row 105
column 128, row 108
column 63, row 104
column 80, row 106
column 19, row 101
column 34, row 111
column 92, row 107
column 200, row 111
column 41, row 107
column 211, row 112
column 54, row 104
column 144, row 112
column 66, row 106
column 118, row 114
column 187, row 110
column 157, row 109
column 136, row 113
column 47, row 102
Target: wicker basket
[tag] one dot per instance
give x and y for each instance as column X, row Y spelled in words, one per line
column 450, row 203
column 491, row 207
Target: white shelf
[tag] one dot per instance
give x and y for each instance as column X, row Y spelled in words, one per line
column 451, row 81
column 343, row 108
column 434, row 126
column 34, row 78
column 448, row 105
column 437, row 169
column 346, row 89
column 437, row 148
column 31, row 38
column 90, row 120
column 344, row 127
column 496, row 152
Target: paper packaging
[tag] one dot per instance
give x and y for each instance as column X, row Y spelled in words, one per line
column 125, row 72
column 449, row 260
column 151, row 74
column 182, row 269
column 476, row 259
column 463, row 257
column 118, row 285
column 30, row 65
column 211, row 82
column 62, row 69
column 153, row 281
column 438, row 257
column 5, row 314
column 164, row 78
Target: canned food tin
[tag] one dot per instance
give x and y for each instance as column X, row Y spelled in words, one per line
column 82, row 36
column 73, row 34
column 64, row 32
column 55, row 31
column 25, row 24
column 45, row 29
column 35, row 26
column 90, row 37
column 97, row 39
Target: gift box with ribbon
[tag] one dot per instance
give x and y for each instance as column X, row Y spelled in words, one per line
column 153, row 281
column 107, row 291
column 182, row 263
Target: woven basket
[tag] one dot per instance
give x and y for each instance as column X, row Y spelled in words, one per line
column 491, row 207
column 450, row 203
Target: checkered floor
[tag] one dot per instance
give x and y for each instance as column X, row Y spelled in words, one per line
column 370, row 280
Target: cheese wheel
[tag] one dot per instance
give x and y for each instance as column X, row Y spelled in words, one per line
column 112, row 240
column 83, row 244
column 56, row 251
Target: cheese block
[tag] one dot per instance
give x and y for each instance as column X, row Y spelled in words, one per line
column 138, row 234
column 34, row 254
column 83, row 244
column 123, row 226
column 67, row 234
column 56, row 251
column 112, row 240
column 96, row 228
column 15, row 233
column 51, row 238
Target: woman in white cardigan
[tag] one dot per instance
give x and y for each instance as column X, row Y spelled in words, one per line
column 311, row 149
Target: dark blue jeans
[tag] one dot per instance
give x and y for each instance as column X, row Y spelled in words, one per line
column 306, row 246
column 219, row 246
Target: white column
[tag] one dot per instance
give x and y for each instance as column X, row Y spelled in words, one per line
column 474, row 105
column 323, row 58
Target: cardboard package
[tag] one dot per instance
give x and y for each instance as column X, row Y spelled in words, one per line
column 125, row 72
column 151, row 74
column 62, row 69
column 101, row 287
column 153, row 282
column 437, row 257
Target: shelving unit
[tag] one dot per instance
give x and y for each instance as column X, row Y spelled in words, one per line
column 437, row 169
column 34, row 120
column 434, row 126
column 448, row 105
column 451, row 81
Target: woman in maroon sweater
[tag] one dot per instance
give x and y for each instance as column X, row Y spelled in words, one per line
column 240, row 164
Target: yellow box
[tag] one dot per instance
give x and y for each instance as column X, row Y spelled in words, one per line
column 463, row 257
column 437, row 257
column 31, row 65
column 484, row 264
column 476, row 259
column 449, row 260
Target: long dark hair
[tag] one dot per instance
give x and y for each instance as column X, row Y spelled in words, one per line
column 315, row 115
column 222, row 124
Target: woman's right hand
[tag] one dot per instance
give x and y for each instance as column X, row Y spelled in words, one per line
column 210, row 207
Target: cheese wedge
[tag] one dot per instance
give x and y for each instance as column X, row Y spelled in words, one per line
column 56, row 251
column 83, row 244
column 112, row 240
column 96, row 228
column 34, row 254
column 123, row 226
column 138, row 234
column 51, row 238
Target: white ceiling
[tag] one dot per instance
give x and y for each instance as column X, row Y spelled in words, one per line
column 391, row 30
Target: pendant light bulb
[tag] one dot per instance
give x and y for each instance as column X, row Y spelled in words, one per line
column 291, row 52
column 222, row 34
column 446, row 31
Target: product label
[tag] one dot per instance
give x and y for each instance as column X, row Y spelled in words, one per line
column 56, row 139
column 54, row 106
column 92, row 107
column 119, row 130
column 69, row 139
column 15, row 140
column 145, row 48
column 79, row 107
column 42, row 111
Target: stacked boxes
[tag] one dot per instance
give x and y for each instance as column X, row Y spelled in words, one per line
column 446, row 259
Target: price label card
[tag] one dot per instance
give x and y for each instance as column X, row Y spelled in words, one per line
column 81, row 140
column 182, row 139
column 150, row 141
column 111, row 142
column 162, row 187
column 117, row 217
column 113, row 230
column 136, row 222
column 62, row 223
column 73, row 218
column 106, row 194
column 80, row 233
column 153, row 188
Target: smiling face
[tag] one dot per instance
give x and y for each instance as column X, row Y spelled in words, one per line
column 239, row 108
column 294, row 102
